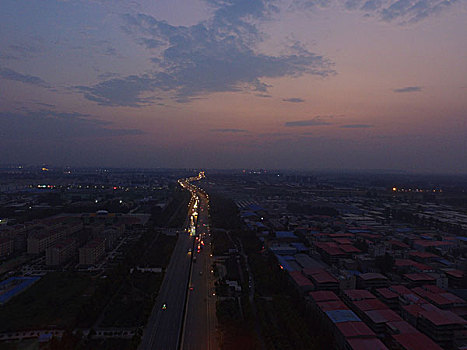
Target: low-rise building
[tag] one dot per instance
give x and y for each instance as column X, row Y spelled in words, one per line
column 92, row 252
column 60, row 252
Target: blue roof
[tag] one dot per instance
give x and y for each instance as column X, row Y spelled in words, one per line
column 285, row 265
column 255, row 207
column 285, row 234
column 288, row 257
column 462, row 238
column 359, row 231
column 403, row 229
column 338, row 316
column 300, row 246
column 44, row 337
column 445, row 262
column 354, row 272
column 247, row 213
column 18, row 283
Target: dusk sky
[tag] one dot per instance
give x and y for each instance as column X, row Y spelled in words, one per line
column 292, row 84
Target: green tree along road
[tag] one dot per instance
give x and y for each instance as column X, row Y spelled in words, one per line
column 284, row 320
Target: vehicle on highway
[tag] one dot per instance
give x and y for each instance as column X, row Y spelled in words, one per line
column 164, row 306
column 201, row 272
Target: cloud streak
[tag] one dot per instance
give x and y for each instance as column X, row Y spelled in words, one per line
column 408, row 89
column 293, row 100
column 10, row 74
column 227, row 130
column 47, row 124
column 356, row 126
column 316, row 121
column 400, row 11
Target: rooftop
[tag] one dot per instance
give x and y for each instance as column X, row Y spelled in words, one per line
column 386, row 293
column 355, row 329
column 366, row 344
column 338, row 316
column 358, row 294
column 383, row 316
column 442, row 317
column 323, row 295
column 416, row 341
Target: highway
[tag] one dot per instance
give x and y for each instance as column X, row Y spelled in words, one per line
column 189, row 321
column 200, row 324
column 163, row 329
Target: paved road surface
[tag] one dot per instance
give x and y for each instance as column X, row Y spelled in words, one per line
column 163, row 329
column 200, row 325
column 197, row 324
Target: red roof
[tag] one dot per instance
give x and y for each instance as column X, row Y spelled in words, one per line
column 332, row 305
column 366, row 344
column 415, row 277
column 386, row 293
column 416, row 341
column 423, row 255
column 433, row 288
column 415, row 264
column 336, row 235
column 348, row 248
column 399, row 244
column 426, row 243
column 323, row 295
column 370, row 304
column 455, row 273
column 401, row 327
column 438, row 298
column 300, row 279
column 369, row 235
column 383, row 316
column 342, row 240
column 358, row 294
column 372, row 276
column 354, row 329
column 400, row 289
column 442, row 317
column 319, row 275
column 416, row 309
column 333, row 251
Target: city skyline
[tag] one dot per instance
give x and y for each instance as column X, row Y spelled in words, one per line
column 235, row 84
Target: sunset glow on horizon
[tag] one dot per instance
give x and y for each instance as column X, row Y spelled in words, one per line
column 296, row 84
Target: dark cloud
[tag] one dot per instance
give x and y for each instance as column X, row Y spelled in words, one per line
column 19, row 51
column 151, row 43
column 46, row 124
column 10, row 74
column 107, row 75
column 316, row 121
column 125, row 91
column 401, row 11
column 47, row 105
column 229, row 130
column 293, row 100
column 356, row 126
column 408, row 89
column 215, row 55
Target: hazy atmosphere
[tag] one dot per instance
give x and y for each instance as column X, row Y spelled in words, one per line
column 326, row 84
